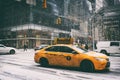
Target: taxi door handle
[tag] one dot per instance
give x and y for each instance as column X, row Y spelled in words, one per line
column 61, row 55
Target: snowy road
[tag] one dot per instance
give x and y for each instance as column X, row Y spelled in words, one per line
column 21, row 66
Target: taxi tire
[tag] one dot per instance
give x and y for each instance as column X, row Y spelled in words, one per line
column 87, row 66
column 43, row 62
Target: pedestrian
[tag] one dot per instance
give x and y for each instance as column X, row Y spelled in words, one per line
column 86, row 46
column 25, row 47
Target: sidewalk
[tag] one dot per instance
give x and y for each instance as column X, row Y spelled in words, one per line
column 22, row 50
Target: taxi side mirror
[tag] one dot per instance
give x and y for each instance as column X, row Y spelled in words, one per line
column 74, row 52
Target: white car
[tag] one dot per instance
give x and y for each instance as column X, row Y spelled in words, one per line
column 40, row 47
column 5, row 49
column 108, row 47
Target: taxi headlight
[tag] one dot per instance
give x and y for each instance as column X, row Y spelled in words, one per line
column 100, row 59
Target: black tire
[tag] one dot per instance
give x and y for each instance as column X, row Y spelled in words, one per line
column 44, row 62
column 105, row 52
column 87, row 66
column 12, row 51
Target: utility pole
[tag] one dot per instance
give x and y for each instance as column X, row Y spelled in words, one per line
column 30, row 23
column 93, row 23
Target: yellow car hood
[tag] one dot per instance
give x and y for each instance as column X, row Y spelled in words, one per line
column 95, row 54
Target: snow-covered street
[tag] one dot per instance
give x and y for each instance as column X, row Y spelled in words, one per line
column 21, row 66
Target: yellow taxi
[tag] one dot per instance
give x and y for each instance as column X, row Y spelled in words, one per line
column 71, row 56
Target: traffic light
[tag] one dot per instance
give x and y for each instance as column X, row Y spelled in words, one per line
column 58, row 21
column 44, row 4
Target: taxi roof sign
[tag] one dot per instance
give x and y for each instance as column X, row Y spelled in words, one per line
column 63, row 41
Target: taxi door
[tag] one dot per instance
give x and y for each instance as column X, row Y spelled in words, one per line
column 67, row 58
column 53, row 55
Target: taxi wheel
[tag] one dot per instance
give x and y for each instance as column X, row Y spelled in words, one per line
column 87, row 66
column 43, row 62
column 12, row 51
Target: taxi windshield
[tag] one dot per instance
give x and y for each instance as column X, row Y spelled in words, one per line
column 79, row 49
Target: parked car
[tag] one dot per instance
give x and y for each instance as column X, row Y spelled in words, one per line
column 71, row 56
column 108, row 47
column 4, row 49
column 40, row 47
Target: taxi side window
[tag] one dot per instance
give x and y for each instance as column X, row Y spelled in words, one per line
column 66, row 49
column 54, row 48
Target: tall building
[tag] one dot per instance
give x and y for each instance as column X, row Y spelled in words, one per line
column 107, row 3
column 27, row 22
column 78, row 12
column 107, row 21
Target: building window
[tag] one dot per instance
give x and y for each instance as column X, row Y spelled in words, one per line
column 32, row 2
column 18, row 0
